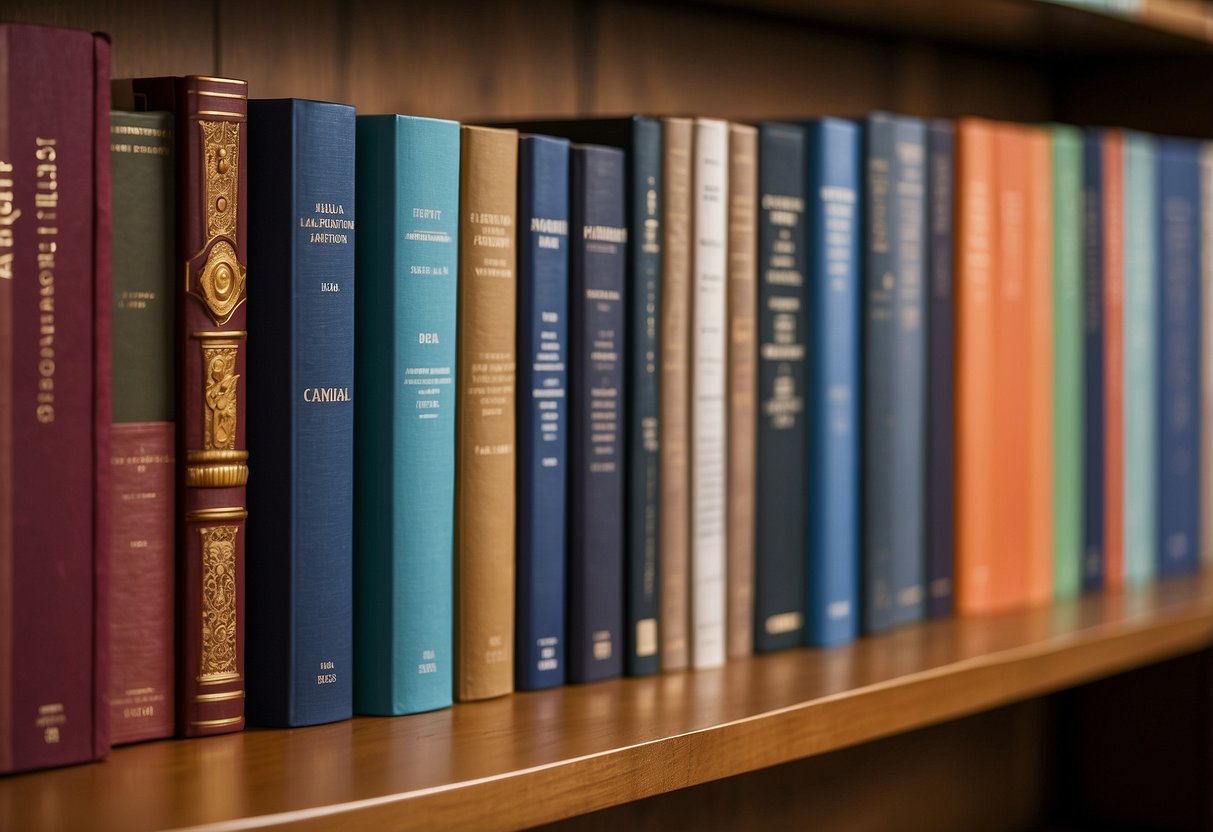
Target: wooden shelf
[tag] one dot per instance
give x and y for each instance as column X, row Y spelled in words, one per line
column 532, row 758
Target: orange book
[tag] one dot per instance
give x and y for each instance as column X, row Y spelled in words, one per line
column 974, row 285
column 1040, row 366
column 1114, row 358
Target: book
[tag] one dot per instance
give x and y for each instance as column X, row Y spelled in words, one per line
column 1114, row 357
column 1140, row 453
column 407, row 256
column 1093, row 234
column 1067, row 360
column 543, row 428
column 893, row 561
column 597, row 267
column 143, row 466
column 709, row 413
column 834, row 192
column 941, row 197
column 1206, row 367
column 674, row 421
column 1038, row 285
column 741, row 384
column 782, row 503
column 212, row 390
column 1179, row 357
column 55, row 404
column 485, row 408
column 299, row 634
column 641, row 139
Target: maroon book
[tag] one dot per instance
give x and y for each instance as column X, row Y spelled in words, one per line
column 212, row 458
column 54, row 395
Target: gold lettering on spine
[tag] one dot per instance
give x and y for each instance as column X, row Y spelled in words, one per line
column 217, row 661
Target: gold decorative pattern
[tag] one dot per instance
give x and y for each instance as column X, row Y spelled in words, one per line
column 216, row 476
column 219, row 398
column 214, row 515
column 217, row 661
column 222, row 281
column 221, row 162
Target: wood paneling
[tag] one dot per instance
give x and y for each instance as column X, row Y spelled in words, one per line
column 534, row 758
column 285, row 48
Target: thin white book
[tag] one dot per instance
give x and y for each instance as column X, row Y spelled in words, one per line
column 709, row 421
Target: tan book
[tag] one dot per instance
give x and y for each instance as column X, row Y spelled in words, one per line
column 675, row 392
column 485, row 450
column 742, row 387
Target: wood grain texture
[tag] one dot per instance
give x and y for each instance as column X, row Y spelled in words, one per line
column 266, row 44
column 535, row 758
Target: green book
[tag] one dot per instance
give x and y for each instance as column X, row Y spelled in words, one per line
column 1141, row 358
column 1067, row 361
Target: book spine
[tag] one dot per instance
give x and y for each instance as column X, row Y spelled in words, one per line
column 543, row 341
column 485, row 451
column 1140, row 360
column 674, row 422
column 976, row 255
column 1039, row 399
column 1179, row 358
column 1067, row 362
column 1093, row 362
column 742, row 358
column 1012, row 442
column 407, row 181
column 57, row 411
column 709, row 415
column 642, row 432
column 596, row 290
column 895, row 374
column 835, row 206
column 941, row 174
column 1114, row 357
column 142, row 463
column 1206, row 367
column 782, row 432
column 302, row 238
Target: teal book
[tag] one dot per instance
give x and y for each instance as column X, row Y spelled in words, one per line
column 404, row 453
column 1068, row 339
column 1141, row 358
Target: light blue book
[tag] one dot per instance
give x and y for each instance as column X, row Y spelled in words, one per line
column 404, row 469
column 1141, row 358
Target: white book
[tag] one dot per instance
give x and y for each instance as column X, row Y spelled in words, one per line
column 1206, row 351
column 709, row 328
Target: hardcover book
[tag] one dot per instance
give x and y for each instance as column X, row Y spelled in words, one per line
column 143, row 468
column 1093, row 234
column 407, row 254
column 598, row 263
column 301, row 245
column 895, row 364
column 709, row 413
column 1114, row 356
column 941, row 198
column 1206, row 367
column 784, row 461
column 1179, row 356
column 212, row 391
column 543, row 429
column 55, row 406
column 742, row 370
column 1067, row 361
column 1140, row 452
column 834, row 192
column 485, row 411
column 1038, row 581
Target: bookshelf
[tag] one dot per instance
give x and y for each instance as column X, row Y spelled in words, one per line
column 949, row 722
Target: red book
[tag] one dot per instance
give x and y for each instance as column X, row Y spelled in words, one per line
column 54, row 395
column 211, row 454
column 1114, row 358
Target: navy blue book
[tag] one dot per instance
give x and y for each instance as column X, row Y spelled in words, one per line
column 299, row 636
column 895, row 364
column 640, row 138
column 1093, row 361
column 941, row 197
column 835, row 207
column 542, row 431
column 780, row 505
column 596, row 353
column 1179, row 358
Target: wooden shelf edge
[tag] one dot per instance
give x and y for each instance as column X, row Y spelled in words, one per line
column 568, row 787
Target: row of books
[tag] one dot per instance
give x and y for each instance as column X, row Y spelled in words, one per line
column 556, row 401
